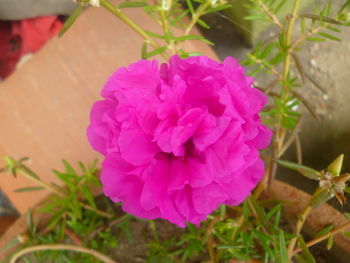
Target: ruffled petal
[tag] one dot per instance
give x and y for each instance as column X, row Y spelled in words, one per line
column 180, row 140
column 208, row 198
column 136, row 147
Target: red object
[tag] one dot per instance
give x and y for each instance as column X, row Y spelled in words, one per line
column 18, row 38
column 9, row 49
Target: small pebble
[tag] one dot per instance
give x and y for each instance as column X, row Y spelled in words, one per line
column 313, row 63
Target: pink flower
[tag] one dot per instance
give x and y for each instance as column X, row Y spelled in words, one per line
column 181, row 139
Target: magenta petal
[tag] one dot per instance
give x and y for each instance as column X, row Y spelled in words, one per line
column 198, row 173
column 97, row 142
column 208, row 198
column 140, row 75
column 181, row 139
column 178, row 176
column 147, row 200
column 184, row 203
column 173, row 139
column 263, row 139
column 98, row 132
column 156, row 180
column 170, row 212
column 135, row 147
column 132, row 206
column 116, row 181
column 210, row 133
column 242, row 183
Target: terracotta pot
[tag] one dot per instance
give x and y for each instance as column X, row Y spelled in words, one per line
column 318, row 219
column 5, row 223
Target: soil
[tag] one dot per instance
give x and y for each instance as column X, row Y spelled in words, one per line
column 135, row 251
column 133, row 247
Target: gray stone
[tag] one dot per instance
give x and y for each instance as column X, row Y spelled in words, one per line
column 6, row 207
column 21, row 9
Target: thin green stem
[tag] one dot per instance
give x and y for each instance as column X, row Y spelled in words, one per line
column 288, row 42
column 281, row 131
column 256, row 215
column 198, row 13
column 99, row 212
column 273, row 18
column 300, row 223
column 26, row 172
column 167, row 31
column 105, row 226
column 305, row 36
column 79, row 249
column 301, row 220
column 240, row 222
column 118, row 13
column 315, row 241
column 210, row 243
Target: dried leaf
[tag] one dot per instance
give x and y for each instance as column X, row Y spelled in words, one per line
column 299, row 67
column 316, row 83
column 307, row 105
column 298, row 151
column 341, row 198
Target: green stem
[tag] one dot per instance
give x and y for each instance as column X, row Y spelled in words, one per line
column 300, row 223
column 281, row 131
column 118, row 13
column 273, row 18
column 288, row 42
column 301, row 220
column 199, row 12
column 168, row 33
column 56, row 247
column 210, row 242
column 315, row 241
column 99, row 212
column 240, row 222
column 28, row 173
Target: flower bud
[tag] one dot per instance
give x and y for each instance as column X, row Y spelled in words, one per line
column 335, row 167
